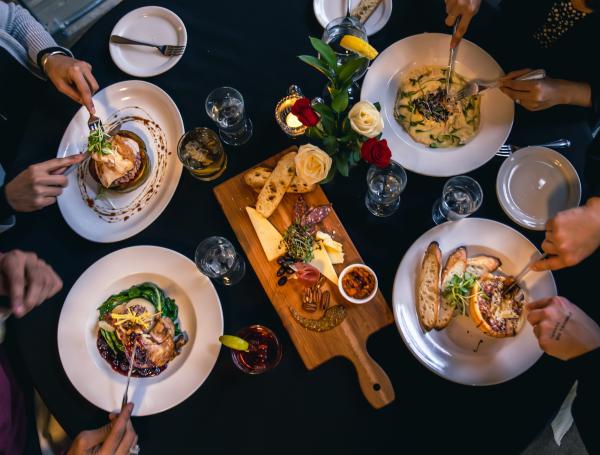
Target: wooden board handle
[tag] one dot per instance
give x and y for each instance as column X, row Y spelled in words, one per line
column 374, row 382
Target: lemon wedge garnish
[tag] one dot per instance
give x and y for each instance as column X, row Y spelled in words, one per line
column 233, row 342
column 359, row 46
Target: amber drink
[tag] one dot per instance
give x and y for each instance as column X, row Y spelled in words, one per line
column 264, row 351
column 201, row 152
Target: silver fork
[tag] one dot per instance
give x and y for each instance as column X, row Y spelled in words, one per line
column 477, row 86
column 165, row 49
column 508, row 149
column 125, row 400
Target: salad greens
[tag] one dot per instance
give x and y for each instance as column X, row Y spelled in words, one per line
column 98, row 142
column 148, row 291
column 458, row 291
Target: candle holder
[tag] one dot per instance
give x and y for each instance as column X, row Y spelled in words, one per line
column 287, row 121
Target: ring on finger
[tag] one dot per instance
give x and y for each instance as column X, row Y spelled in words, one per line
column 135, row 450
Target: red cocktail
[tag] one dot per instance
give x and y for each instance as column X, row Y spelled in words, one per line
column 264, row 350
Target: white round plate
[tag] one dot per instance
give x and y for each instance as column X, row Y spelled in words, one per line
column 200, row 316
column 150, row 24
column 456, row 353
column 534, row 184
column 497, row 110
column 328, row 10
column 148, row 111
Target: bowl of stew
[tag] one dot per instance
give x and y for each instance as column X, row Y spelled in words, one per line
column 358, row 283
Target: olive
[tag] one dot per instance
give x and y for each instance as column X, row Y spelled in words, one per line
column 281, row 260
column 282, row 280
column 280, row 271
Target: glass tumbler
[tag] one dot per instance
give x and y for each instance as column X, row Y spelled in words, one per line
column 225, row 106
column 202, row 154
column 217, row 258
column 384, row 186
column 264, row 350
column 461, row 197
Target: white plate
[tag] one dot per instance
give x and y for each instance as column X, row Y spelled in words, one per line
column 497, row 110
column 150, row 24
column 158, row 123
column 534, row 184
column 328, row 10
column 450, row 352
column 200, row 316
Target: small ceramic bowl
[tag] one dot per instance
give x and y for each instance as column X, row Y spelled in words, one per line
column 345, row 294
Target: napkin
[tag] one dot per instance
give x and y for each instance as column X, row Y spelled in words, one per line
column 563, row 421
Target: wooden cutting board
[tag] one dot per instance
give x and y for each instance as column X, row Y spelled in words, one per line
column 349, row 339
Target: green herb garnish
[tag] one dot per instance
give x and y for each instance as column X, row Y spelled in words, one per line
column 98, row 142
column 299, row 242
column 458, row 291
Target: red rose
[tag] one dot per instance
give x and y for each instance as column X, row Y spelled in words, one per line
column 376, row 152
column 305, row 113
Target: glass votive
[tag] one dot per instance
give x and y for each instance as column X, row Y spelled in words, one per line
column 288, row 122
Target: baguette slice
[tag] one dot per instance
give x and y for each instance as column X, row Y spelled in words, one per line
column 455, row 265
column 276, row 185
column 482, row 265
column 257, row 177
column 428, row 287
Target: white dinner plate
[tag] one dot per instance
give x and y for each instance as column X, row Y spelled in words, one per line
column 461, row 353
column 150, row 24
column 534, row 184
column 200, row 315
column 497, row 110
column 148, row 111
column 328, row 10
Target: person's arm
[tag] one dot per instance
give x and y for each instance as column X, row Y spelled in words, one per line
column 29, row 33
column 7, row 216
column 585, row 407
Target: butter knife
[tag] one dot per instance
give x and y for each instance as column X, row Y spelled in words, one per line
column 524, row 272
column 452, row 58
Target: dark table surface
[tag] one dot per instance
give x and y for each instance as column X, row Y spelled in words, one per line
column 253, row 47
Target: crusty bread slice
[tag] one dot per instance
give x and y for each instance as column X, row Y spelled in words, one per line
column 455, row 265
column 256, row 178
column 276, row 185
column 428, row 287
column 483, row 264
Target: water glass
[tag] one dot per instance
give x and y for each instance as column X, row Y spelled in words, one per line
column 202, row 154
column 461, row 197
column 384, row 186
column 217, row 258
column 225, row 106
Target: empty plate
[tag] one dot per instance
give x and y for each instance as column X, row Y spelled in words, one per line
column 150, row 24
column 328, row 10
column 534, row 184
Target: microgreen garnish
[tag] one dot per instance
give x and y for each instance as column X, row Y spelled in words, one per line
column 98, row 142
column 458, row 291
column 299, row 242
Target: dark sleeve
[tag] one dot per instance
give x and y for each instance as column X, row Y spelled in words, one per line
column 586, row 408
column 6, row 210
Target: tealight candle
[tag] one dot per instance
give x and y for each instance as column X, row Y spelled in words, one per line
column 288, row 122
column 292, row 121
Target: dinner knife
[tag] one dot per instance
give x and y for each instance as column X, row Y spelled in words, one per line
column 452, row 58
column 524, row 272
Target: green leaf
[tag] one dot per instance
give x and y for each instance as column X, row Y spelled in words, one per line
column 339, row 103
column 348, row 69
column 356, row 153
column 324, row 111
column 342, row 165
column 326, row 52
column 314, row 133
column 318, row 65
column 331, row 145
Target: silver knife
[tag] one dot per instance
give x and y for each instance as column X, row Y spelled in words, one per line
column 452, row 58
column 524, row 272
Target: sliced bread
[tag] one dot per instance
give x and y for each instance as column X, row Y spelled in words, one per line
column 482, row 265
column 455, row 265
column 428, row 287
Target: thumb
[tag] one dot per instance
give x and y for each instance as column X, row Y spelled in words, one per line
column 551, row 263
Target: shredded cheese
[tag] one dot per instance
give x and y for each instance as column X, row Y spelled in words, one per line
column 143, row 319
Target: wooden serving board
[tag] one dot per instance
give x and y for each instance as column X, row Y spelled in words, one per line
column 349, row 339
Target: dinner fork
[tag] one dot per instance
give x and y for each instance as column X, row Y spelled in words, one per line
column 507, row 149
column 124, row 401
column 165, row 49
column 477, row 86
column 524, row 272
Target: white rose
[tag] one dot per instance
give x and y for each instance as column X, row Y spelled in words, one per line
column 312, row 164
column 365, row 119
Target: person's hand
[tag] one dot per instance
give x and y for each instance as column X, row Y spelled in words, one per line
column 74, row 78
column 26, row 280
column 544, row 93
column 39, row 185
column 563, row 330
column 466, row 9
column 117, row 437
column 571, row 236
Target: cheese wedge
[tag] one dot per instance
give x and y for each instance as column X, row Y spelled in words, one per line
column 334, row 249
column 322, row 262
column 270, row 239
